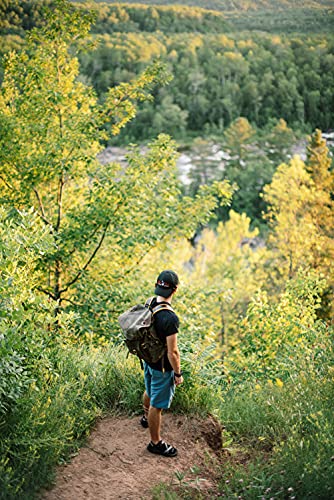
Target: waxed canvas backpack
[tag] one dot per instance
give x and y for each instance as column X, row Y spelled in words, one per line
column 139, row 333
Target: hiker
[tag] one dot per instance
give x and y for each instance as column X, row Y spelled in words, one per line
column 162, row 377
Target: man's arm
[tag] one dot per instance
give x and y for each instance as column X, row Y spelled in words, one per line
column 174, row 356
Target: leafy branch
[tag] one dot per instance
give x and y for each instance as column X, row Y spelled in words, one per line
column 83, row 269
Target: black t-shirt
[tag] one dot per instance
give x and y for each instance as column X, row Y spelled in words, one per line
column 166, row 323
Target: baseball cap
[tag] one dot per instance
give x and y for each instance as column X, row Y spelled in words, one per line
column 166, row 283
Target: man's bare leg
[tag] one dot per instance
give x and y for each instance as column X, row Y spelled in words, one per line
column 146, row 403
column 154, row 423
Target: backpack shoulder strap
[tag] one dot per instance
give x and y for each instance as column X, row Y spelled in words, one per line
column 161, row 307
column 158, row 307
column 149, row 302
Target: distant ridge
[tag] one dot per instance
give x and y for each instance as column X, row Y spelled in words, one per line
column 274, row 16
column 237, row 5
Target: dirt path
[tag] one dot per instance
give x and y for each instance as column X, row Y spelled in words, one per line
column 114, row 463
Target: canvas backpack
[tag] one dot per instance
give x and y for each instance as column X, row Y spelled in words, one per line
column 139, row 333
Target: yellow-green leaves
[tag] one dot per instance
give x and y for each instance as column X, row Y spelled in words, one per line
column 301, row 213
column 52, row 129
column 120, row 104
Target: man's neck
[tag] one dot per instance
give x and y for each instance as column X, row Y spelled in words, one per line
column 163, row 299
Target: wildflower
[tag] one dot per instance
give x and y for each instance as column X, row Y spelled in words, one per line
column 290, row 490
column 279, row 382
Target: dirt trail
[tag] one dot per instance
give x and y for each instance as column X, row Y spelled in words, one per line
column 114, row 463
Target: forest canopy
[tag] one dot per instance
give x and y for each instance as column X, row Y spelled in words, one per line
column 219, row 73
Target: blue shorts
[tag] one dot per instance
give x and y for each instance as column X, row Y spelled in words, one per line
column 159, row 386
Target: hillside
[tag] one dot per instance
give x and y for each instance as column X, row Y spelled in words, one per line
column 215, row 16
column 170, row 17
column 237, row 5
column 261, row 65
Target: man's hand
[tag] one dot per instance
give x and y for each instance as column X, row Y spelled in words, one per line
column 178, row 380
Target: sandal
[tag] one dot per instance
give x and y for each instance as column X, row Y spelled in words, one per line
column 144, row 422
column 162, row 448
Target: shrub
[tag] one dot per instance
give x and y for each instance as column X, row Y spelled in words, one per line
column 279, row 401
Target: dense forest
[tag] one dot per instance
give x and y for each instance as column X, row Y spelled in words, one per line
column 272, row 16
column 270, row 89
column 250, row 233
column 218, row 74
column 239, row 5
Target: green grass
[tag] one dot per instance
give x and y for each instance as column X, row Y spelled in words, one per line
column 56, row 413
column 277, row 441
column 278, row 435
column 289, row 431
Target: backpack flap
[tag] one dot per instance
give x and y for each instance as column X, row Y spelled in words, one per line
column 139, row 334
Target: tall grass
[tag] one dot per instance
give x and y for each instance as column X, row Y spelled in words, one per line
column 285, row 427
column 290, row 432
column 49, row 421
column 56, row 413
column 280, row 411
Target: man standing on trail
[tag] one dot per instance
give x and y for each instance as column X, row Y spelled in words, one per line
column 162, row 377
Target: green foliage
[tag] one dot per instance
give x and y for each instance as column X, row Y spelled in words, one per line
column 240, row 5
column 235, row 254
column 271, row 332
column 289, row 19
column 16, row 16
column 291, row 421
column 271, row 16
column 83, row 233
column 168, row 19
column 200, row 393
column 56, row 412
column 245, row 156
column 279, row 397
column 217, row 79
column 19, row 15
column 23, row 313
column 249, row 166
column 300, row 214
column 24, row 320
column 52, row 128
